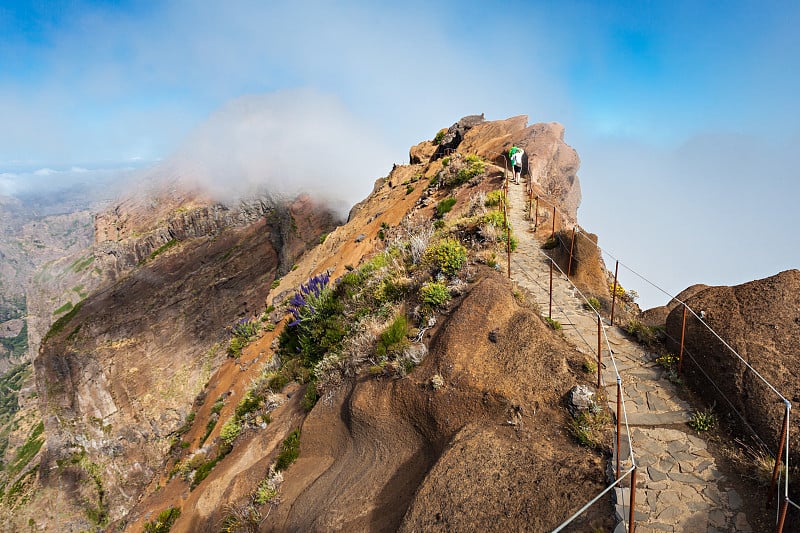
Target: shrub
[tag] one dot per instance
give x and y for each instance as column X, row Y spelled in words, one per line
column 230, row 430
column 319, row 324
column 667, row 361
column 588, row 427
column 474, row 167
column 590, row 367
column 163, row 522
column 555, row 324
column 703, row 420
column 409, row 188
column 641, row 331
column 437, row 381
column 447, row 256
column 446, row 161
column 275, row 283
column 445, row 206
column 251, row 402
column 310, row 397
column 495, row 198
column 439, row 136
column 290, row 451
column 393, row 340
column 593, row 304
column 434, row 294
column 265, row 492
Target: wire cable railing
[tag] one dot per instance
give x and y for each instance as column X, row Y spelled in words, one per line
column 783, row 443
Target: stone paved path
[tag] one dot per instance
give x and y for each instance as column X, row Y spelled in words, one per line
column 678, row 485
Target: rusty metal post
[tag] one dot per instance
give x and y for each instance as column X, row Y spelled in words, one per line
column 614, row 292
column 782, row 519
column 536, row 215
column 554, row 222
column 631, row 516
column 550, row 308
column 619, row 417
column 508, row 234
column 599, row 352
column 571, row 248
column 683, row 336
column 777, row 468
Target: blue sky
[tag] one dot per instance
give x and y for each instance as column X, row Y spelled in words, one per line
column 684, row 113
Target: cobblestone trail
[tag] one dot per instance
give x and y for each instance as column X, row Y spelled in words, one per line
column 678, row 485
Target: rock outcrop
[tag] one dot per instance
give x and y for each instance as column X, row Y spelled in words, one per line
column 761, row 321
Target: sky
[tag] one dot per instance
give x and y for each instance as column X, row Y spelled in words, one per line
column 684, row 113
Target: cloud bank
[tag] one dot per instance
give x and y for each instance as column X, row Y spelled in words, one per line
column 285, row 142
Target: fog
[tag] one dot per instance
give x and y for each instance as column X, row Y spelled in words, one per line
column 285, row 143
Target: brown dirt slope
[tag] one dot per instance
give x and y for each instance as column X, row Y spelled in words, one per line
column 389, row 455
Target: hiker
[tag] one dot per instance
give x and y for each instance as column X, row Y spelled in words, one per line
column 515, row 154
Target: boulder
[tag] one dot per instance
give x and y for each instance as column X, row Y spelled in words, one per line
column 761, row 321
column 455, row 134
column 580, row 399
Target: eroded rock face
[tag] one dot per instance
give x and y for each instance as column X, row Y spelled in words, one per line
column 551, row 162
column 119, row 377
column 761, row 321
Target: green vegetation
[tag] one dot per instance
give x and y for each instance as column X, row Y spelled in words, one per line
column 163, row 248
column 641, row 331
column 703, row 420
column 244, row 331
column 62, row 322
column 439, row 136
column 589, row 426
column 310, row 397
column 475, row 166
column 265, row 492
column 17, row 345
column 164, row 522
column 393, row 340
column 409, row 188
column 290, row 451
column 81, row 264
column 275, row 283
column 445, row 206
column 231, row 429
column 447, row 256
column 445, row 161
column 593, row 304
column 590, row 367
column 63, row 309
column 495, row 198
column 555, row 324
column 27, row 451
column 434, row 294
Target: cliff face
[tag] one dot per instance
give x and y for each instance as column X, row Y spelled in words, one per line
column 119, row 372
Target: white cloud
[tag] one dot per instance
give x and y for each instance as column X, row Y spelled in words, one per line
column 286, row 142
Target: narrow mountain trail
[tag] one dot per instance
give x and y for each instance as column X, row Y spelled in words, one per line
column 679, row 487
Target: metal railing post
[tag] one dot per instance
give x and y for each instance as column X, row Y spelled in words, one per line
column 536, row 214
column 683, row 336
column 614, row 292
column 619, row 417
column 783, row 439
column 631, row 515
column 550, row 307
column 599, row 352
column 571, row 248
column 554, row 222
